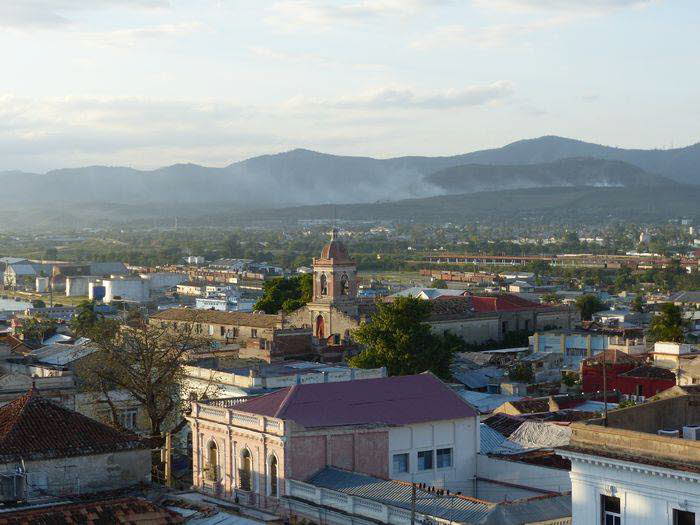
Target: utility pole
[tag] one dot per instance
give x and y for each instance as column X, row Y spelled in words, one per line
column 167, row 458
column 413, row 503
column 605, row 390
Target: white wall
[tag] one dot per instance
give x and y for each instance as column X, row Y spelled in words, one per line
column 462, row 435
column 518, row 473
column 647, row 494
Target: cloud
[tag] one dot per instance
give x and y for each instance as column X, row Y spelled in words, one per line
column 131, row 37
column 43, row 14
column 310, row 59
column 404, row 98
column 576, row 6
column 498, row 35
column 45, row 133
column 557, row 13
column 320, row 14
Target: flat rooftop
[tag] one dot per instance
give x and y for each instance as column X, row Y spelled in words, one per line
column 632, row 434
column 243, row 367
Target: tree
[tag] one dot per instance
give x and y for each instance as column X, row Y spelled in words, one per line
column 588, row 305
column 36, row 328
column 637, row 304
column 440, row 284
column 146, row 362
column 286, row 294
column 51, row 253
column 38, row 303
column 522, row 373
column 667, row 324
column 551, row 298
column 232, row 246
column 85, row 319
column 398, row 338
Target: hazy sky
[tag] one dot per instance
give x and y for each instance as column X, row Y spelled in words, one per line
column 148, row 83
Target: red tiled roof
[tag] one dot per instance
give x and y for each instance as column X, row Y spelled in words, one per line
column 399, row 400
column 614, row 357
column 128, row 511
column 32, row 427
column 503, row 303
column 447, row 306
column 650, row 372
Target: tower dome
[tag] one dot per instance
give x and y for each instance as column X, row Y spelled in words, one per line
column 335, row 249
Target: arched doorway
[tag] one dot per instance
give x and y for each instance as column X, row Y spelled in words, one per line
column 212, row 462
column 245, row 473
column 320, row 328
column 274, row 492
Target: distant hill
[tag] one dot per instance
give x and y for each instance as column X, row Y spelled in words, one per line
column 680, row 164
column 568, row 205
column 472, row 178
column 590, row 205
column 300, row 177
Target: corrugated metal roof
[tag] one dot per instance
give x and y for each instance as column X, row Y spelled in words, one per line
column 399, row 495
column 398, row 400
column 531, row 510
column 490, row 440
column 61, row 354
column 485, row 402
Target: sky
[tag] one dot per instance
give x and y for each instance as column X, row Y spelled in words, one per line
column 149, row 83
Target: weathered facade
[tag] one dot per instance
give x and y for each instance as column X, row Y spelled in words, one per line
column 61, row 452
column 248, row 449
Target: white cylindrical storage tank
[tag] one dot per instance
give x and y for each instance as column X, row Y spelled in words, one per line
column 134, row 290
column 42, row 284
column 76, row 286
column 159, row 280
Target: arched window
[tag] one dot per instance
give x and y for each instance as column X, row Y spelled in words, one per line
column 212, row 462
column 320, row 328
column 344, row 285
column 323, row 284
column 273, row 477
column 245, row 473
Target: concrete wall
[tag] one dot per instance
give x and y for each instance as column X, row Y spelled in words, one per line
column 461, row 435
column 471, row 330
column 85, row 474
column 647, row 495
column 519, row 473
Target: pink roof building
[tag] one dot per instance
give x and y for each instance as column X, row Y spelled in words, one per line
column 406, row 428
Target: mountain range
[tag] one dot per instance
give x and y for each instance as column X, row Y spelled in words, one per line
column 303, row 177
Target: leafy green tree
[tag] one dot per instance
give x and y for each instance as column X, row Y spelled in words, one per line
column 668, row 324
column 286, row 294
column 551, row 298
column 51, row 254
column 637, row 304
column 588, row 305
column 85, row 319
column 399, row 338
column 522, row 373
column 36, row 328
column 38, row 303
column 440, row 284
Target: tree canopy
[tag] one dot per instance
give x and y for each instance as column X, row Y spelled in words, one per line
column 146, row 362
column 398, row 338
column 286, row 294
column 588, row 305
column 667, row 324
